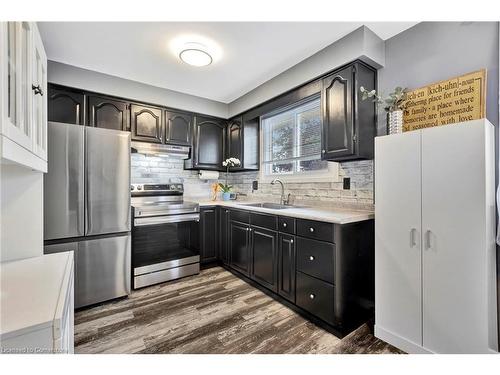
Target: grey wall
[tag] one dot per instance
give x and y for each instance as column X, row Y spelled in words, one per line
column 434, row 51
column 73, row 76
column 360, row 44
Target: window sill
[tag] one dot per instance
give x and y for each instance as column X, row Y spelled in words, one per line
column 332, row 175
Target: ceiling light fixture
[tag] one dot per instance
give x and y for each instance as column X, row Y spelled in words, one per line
column 195, row 54
column 195, row 50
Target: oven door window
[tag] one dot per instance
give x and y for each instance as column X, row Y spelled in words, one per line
column 158, row 243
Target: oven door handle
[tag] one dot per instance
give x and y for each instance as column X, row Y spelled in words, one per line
column 154, row 220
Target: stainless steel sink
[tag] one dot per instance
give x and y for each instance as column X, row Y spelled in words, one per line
column 274, row 206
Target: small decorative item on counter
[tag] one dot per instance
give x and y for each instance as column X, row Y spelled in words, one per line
column 215, row 188
column 226, row 188
column 394, row 104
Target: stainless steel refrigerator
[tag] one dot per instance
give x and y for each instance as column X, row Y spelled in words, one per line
column 87, row 207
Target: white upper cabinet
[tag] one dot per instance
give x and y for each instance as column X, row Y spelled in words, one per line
column 23, row 100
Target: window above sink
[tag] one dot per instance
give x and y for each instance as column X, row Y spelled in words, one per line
column 291, row 144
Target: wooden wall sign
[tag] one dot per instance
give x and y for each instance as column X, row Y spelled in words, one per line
column 453, row 100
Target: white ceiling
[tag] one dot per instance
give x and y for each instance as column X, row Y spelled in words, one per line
column 252, row 52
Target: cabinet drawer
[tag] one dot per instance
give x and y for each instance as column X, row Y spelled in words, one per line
column 315, row 296
column 241, row 216
column 316, row 258
column 315, row 229
column 286, row 224
column 264, row 221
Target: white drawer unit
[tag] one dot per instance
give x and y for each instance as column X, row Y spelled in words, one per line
column 37, row 305
column 435, row 255
column 23, row 96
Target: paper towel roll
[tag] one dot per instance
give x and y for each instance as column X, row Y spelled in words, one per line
column 208, row 175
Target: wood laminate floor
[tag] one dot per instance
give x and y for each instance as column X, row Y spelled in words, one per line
column 213, row 312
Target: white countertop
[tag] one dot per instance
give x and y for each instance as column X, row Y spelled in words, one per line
column 330, row 215
column 31, row 291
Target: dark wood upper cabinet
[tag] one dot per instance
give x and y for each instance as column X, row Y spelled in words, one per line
column 264, row 254
column 208, row 234
column 349, row 124
column 209, row 144
column 146, row 123
column 243, row 143
column 108, row 113
column 235, row 141
column 178, row 128
column 66, row 105
column 251, row 147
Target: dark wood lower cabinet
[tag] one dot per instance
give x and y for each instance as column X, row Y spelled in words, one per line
column 326, row 273
column 239, row 247
column 223, row 234
column 264, row 253
column 315, row 296
column 208, row 234
column 286, row 266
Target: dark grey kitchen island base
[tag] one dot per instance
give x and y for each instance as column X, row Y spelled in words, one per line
column 213, row 312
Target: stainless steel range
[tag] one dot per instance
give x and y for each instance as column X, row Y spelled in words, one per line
column 165, row 239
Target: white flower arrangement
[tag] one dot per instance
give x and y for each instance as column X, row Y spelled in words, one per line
column 231, row 162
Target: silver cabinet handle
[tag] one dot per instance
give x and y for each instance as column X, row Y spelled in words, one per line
column 312, row 296
column 428, row 238
column 291, row 241
column 311, row 257
column 413, row 242
column 311, row 229
column 284, row 225
column 247, row 229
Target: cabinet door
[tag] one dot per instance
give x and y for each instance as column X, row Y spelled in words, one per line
column 178, row 128
column 251, row 144
column 146, row 123
column 398, row 255
column 66, row 106
column 235, row 141
column 286, row 266
column 208, row 245
column 209, row 146
column 239, row 247
column 16, row 91
column 39, row 97
column 224, row 235
column 264, row 254
column 458, row 238
column 337, row 112
column 108, row 113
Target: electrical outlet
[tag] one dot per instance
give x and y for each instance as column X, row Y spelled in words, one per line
column 347, row 183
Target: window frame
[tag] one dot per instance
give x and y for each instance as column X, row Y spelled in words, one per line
column 331, row 174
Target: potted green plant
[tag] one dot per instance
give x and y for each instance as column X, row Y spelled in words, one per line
column 394, row 104
column 226, row 188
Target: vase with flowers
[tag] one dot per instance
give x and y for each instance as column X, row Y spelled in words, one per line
column 226, row 188
column 394, row 104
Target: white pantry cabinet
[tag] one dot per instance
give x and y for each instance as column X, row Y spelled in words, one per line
column 23, row 96
column 435, row 254
column 37, row 299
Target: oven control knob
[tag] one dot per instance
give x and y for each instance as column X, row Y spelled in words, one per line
column 132, row 187
column 139, row 187
column 172, row 187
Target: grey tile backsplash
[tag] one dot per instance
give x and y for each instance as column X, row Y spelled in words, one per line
column 163, row 170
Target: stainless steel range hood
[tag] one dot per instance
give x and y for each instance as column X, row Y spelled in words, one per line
column 179, row 152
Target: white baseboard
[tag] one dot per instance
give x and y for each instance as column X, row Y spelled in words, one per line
column 399, row 342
